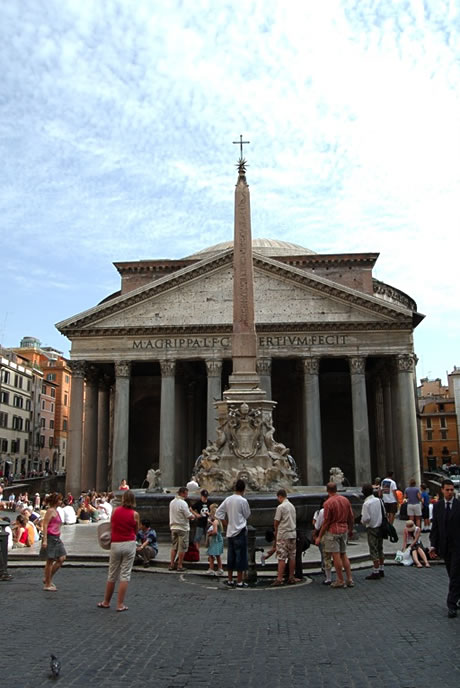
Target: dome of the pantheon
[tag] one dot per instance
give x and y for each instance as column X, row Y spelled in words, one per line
column 267, row 247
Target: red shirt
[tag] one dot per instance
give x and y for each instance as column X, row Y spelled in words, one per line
column 338, row 514
column 124, row 526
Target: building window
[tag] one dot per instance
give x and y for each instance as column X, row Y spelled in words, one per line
column 18, row 423
column 429, row 435
column 43, row 405
column 51, row 377
column 441, row 407
column 18, row 401
column 43, row 389
column 3, row 445
column 52, row 408
column 42, row 422
column 51, row 424
column 66, row 400
column 3, row 420
column 15, row 446
column 5, row 398
column 28, row 385
column 53, row 392
column 6, row 377
column 442, row 422
column 64, row 424
column 27, row 425
column 42, row 440
column 50, row 442
column 443, row 434
column 18, row 381
column 67, row 379
column 428, row 423
column 26, row 446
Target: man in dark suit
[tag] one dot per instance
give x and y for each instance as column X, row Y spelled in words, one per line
column 445, row 541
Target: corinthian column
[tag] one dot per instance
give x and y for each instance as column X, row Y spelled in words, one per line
column 313, row 444
column 360, row 420
column 410, row 455
column 121, row 423
column 74, row 449
column 214, row 370
column 88, row 466
column 103, row 420
column 264, row 368
column 167, row 422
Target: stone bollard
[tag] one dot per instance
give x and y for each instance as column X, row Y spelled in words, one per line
column 252, row 549
column 4, row 575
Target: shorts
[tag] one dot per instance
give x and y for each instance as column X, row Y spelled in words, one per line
column 375, row 543
column 414, row 509
column 391, row 507
column 237, row 551
column 199, row 534
column 180, row 540
column 335, row 542
column 285, row 549
column 121, row 560
column 425, row 511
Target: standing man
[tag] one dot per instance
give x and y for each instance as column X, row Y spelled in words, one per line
column 388, row 489
column 371, row 517
column 235, row 511
column 179, row 524
column 338, row 522
column 445, row 541
column 285, row 537
column 201, row 512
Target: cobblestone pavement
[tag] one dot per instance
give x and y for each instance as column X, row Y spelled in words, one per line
column 184, row 631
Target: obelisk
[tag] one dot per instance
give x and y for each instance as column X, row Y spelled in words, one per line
column 245, row 446
column 244, row 383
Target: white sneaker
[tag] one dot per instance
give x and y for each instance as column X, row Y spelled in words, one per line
column 210, row 572
column 220, row 572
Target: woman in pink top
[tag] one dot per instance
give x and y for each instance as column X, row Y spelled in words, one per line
column 125, row 524
column 52, row 548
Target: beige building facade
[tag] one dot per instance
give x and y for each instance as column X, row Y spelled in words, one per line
column 335, row 350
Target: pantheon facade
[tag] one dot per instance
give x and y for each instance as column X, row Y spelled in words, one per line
column 335, row 351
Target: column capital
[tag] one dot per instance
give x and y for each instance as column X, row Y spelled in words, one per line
column 264, row 366
column 405, row 363
column 357, row 365
column 122, row 368
column 213, row 367
column 168, row 367
column 78, row 368
column 311, row 365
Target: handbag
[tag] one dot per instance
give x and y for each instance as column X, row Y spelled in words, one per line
column 387, row 531
column 104, row 534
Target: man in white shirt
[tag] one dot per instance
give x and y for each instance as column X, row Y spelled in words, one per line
column 371, row 517
column 179, row 525
column 388, row 489
column 235, row 511
column 285, row 537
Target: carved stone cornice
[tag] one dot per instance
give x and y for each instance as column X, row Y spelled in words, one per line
column 168, row 367
column 264, row 366
column 78, row 368
column 214, row 367
column 122, row 368
column 387, row 291
column 311, row 365
column 405, row 363
column 288, row 327
column 357, row 365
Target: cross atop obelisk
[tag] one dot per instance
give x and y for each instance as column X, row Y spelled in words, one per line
column 244, row 342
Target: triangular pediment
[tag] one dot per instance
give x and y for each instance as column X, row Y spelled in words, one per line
column 201, row 295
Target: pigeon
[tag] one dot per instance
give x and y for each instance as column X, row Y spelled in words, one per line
column 55, row 666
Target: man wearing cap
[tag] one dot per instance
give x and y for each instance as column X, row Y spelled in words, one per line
column 445, row 541
column 201, row 512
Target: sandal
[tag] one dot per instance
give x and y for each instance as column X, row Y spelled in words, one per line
column 276, row 584
column 101, row 605
column 180, row 570
column 171, row 568
column 50, row 588
column 293, row 581
column 122, row 609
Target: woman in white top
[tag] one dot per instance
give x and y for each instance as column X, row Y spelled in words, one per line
column 411, row 538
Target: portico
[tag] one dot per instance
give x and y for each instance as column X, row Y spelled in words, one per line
column 334, row 349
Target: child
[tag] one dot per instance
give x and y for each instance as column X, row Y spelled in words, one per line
column 270, row 538
column 215, row 542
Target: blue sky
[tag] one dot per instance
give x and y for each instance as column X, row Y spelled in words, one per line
column 116, row 125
